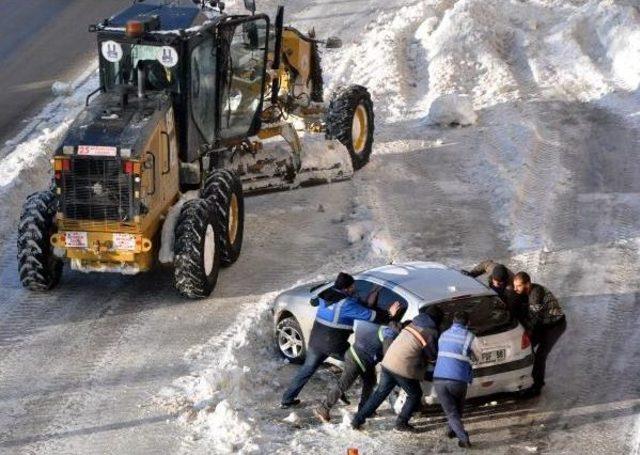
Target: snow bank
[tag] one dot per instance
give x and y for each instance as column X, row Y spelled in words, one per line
column 217, row 403
column 62, row 88
column 452, row 109
column 26, row 166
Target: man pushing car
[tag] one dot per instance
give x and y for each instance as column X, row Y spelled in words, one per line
column 338, row 308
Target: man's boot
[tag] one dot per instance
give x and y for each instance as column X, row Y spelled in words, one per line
column 404, row 427
column 322, row 413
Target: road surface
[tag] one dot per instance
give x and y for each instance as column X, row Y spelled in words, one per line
column 42, row 42
column 81, row 367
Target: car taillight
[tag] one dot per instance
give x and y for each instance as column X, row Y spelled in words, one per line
column 526, row 342
column 127, row 167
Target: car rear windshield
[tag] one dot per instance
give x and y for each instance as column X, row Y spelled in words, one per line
column 487, row 314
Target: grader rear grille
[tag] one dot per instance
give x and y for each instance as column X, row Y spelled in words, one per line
column 97, row 189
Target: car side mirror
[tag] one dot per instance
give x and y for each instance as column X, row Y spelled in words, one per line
column 250, row 5
column 333, row 42
column 314, row 301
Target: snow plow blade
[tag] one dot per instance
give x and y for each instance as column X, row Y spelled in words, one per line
column 282, row 165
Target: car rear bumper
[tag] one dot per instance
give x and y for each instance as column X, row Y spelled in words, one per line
column 502, row 378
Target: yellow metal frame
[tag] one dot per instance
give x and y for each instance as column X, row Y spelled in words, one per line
column 159, row 190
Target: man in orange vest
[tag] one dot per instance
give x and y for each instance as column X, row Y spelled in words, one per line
column 405, row 364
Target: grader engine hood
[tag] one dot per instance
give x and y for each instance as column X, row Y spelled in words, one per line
column 105, row 123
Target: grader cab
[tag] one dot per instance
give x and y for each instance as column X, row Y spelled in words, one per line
column 196, row 108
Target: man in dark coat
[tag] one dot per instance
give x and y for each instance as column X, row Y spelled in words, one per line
column 544, row 320
column 405, row 364
column 366, row 351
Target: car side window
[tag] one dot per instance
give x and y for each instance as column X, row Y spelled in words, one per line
column 387, row 297
column 363, row 289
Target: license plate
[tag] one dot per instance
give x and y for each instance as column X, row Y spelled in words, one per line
column 97, row 150
column 493, row 356
column 124, row 242
column 75, row 239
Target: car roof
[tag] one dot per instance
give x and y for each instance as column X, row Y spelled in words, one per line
column 429, row 281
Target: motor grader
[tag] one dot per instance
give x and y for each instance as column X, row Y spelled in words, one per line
column 196, row 108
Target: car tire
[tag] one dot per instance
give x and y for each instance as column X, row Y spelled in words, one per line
column 290, row 340
column 197, row 253
column 350, row 120
column 39, row 268
column 223, row 190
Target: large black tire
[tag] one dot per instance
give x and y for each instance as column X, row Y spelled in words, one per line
column 351, row 113
column 288, row 330
column 317, row 86
column 196, row 255
column 223, row 190
column 39, row 268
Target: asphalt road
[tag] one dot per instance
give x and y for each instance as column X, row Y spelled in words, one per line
column 42, row 41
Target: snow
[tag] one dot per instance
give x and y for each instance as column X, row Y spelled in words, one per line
column 454, row 60
column 452, row 109
column 555, row 85
column 62, row 88
column 25, row 167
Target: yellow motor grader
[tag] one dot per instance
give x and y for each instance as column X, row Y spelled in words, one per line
column 196, row 108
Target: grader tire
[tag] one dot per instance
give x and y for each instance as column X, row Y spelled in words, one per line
column 223, row 190
column 350, row 120
column 196, row 255
column 317, row 87
column 39, row 268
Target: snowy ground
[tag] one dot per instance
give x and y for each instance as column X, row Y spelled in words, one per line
column 546, row 179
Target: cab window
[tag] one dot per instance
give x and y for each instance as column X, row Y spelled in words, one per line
column 203, row 88
column 243, row 78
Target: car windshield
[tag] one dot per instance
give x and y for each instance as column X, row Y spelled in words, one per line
column 121, row 62
column 487, row 314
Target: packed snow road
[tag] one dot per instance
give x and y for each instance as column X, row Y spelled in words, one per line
column 42, row 42
column 547, row 180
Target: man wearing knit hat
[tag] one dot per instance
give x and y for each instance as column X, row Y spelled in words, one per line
column 500, row 279
column 338, row 308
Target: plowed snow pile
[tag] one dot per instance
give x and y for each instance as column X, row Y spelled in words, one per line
column 517, row 62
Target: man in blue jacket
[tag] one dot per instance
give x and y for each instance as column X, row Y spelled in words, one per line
column 453, row 373
column 371, row 341
column 338, row 308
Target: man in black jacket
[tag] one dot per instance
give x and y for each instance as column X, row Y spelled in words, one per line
column 546, row 322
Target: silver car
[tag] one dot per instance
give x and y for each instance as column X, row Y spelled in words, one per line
column 507, row 358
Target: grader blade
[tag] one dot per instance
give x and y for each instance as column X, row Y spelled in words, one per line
column 282, row 164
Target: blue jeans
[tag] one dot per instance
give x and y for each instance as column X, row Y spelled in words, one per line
column 388, row 381
column 311, row 364
column 452, row 395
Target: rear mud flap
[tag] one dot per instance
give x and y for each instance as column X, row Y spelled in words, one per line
column 278, row 167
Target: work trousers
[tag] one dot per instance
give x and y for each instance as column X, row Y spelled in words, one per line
column 452, row 395
column 544, row 338
column 352, row 370
column 311, row 364
column 388, row 381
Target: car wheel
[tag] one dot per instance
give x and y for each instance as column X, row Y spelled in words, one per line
column 290, row 340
